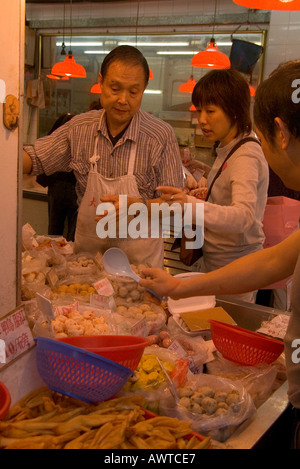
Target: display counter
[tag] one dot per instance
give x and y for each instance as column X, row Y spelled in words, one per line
column 250, row 435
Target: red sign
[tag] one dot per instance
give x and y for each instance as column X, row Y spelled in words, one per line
column 16, row 334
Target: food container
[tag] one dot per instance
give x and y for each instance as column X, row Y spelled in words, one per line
column 243, row 346
column 125, row 350
column 78, row 373
column 193, row 303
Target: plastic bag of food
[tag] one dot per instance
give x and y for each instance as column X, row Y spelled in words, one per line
column 153, row 316
column 214, row 406
column 80, row 288
column 34, row 269
column 150, row 380
column 82, row 264
column 194, row 348
column 78, row 319
column 257, row 380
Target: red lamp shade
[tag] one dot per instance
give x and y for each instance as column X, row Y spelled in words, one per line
column 193, row 108
column 55, row 77
column 287, row 5
column 96, row 89
column 188, row 86
column 252, row 90
column 150, row 74
column 211, row 57
column 69, row 68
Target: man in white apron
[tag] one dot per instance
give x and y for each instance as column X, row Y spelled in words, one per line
column 119, row 150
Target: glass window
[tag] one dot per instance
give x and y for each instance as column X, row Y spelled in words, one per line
column 169, row 58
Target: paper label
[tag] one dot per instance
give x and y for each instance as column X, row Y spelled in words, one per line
column 176, row 347
column 45, row 306
column 52, row 278
column 16, row 335
column 103, row 302
column 140, row 328
column 66, row 309
column 104, row 287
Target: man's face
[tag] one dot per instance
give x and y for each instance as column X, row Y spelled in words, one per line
column 280, row 161
column 122, row 93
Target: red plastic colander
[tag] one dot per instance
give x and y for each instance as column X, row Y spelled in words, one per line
column 5, row 400
column 123, row 349
column 243, row 346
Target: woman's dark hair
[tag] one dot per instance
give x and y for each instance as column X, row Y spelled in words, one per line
column 229, row 90
column 277, row 96
column 126, row 54
column 61, row 120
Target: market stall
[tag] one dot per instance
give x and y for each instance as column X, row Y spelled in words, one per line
column 168, row 360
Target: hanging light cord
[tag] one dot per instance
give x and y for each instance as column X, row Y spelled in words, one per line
column 214, row 23
column 137, row 22
column 70, row 51
column 63, row 51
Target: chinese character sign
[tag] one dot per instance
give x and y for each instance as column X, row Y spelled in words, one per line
column 15, row 336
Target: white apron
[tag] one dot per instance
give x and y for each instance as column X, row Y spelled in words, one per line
column 139, row 251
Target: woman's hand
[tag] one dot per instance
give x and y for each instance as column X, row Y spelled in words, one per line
column 161, row 282
column 171, row 194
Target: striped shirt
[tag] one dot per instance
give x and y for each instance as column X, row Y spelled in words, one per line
column 69, row 148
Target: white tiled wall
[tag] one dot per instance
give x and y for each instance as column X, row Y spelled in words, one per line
column 283, row 42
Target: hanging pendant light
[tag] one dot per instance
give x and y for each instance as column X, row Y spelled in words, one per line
column 252, row 91
column 193, row 108
column 287, row 5
column 211, row 57
column 96, row 89
column 55, row 77
column 188, row 86
column 68, row 67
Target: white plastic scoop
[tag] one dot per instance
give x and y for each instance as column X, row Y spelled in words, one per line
column 116, row 262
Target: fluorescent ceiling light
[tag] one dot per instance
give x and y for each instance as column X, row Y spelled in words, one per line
column 153, row 91
column 178, row 52
column 83, row 44
column 155, row 44
column 96, row 52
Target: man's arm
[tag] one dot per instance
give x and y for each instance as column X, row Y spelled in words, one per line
column 27, row 163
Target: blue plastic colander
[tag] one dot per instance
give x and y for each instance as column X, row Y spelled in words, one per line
column 78, row 373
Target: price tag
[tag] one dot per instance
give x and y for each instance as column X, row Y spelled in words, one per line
column 16, row 335
column 66, row 309
column 45, row 306
column 140, row 328
column 52, row 278
column 104, row 287
column 104, row 302
column 176, row 347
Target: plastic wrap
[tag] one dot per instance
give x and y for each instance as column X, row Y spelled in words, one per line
column 219, row 424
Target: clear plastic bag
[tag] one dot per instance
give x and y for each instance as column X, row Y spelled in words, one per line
column 219, row 424
column 127, row 316
column 257, row 380
column 82, row 264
